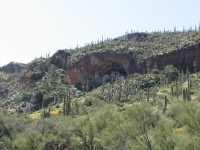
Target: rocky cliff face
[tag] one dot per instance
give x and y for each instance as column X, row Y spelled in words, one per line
column 33, row 72
column 180, row 59
column 94, row 67
column 60, row 59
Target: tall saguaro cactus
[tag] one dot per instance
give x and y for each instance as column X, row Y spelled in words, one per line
column 138, row 84
column 112, row 87
column 83, row 88
column 188, row 91
column 64, row 106
column 187, row 73
column 67, row 103
column 195, row 66
column 148, row 94
column 184, row 95
column 120, row 89
column 103, row 85
column 87, row 86
column 183, row 77
column 126, row 90
column 165, row 103
column 172, row 91
column 176, row 89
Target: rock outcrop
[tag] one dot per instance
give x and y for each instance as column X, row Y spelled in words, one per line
column 92, row 68
column 47, row 101
column 33, row 72
column 60, row 59
column 37, row 99
column 12, row 67
column 181, row 59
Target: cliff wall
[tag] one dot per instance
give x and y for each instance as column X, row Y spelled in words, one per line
column 94, row 67
column 180, row 59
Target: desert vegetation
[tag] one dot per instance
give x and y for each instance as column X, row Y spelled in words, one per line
column 40, row 110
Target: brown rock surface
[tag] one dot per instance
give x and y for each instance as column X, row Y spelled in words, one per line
column 180, row 59
column 37, row 100
column 96, row 65
column 47, row 101
column 60, row 58
column 93, row 67
column 30, row 78
column 33, row 72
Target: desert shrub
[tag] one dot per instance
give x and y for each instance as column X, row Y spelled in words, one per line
column 19, row 110
column 170, row 72
column 27, row 142
column 163, row 135
column 24, row 96
column 57, row 106
column 88, row 101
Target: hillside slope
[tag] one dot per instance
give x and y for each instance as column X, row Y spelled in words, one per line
column 139, row 91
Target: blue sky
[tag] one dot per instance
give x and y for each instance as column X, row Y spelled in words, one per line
column 31, row 28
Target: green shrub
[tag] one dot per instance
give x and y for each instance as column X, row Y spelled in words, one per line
column 57, row 106
column 88, row 101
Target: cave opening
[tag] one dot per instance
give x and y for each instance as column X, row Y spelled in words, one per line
column 107, row 72
column 113, row 70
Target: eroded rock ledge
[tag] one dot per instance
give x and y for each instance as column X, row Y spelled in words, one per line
column 93, row 67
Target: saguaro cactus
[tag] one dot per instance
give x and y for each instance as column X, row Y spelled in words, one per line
column 179, row 76
column 87, row 86
column 112, row 87
column 184, row 95
column 165, row 103
column 126, row 90
column 172, row 91
column 187, row 73
column 109, row 94
column 195, row 66
column 160, row 81
column 138, row 84
column 64, row 106
column 176, row 89
column 147, row 94
column 83, row 88
column 120, row 89
column 183, row 78
column 68, row 104
column 49, row 110
column 103, row 85
column 188, row 91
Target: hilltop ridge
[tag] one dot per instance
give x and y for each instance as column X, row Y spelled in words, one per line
column 136, row 52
